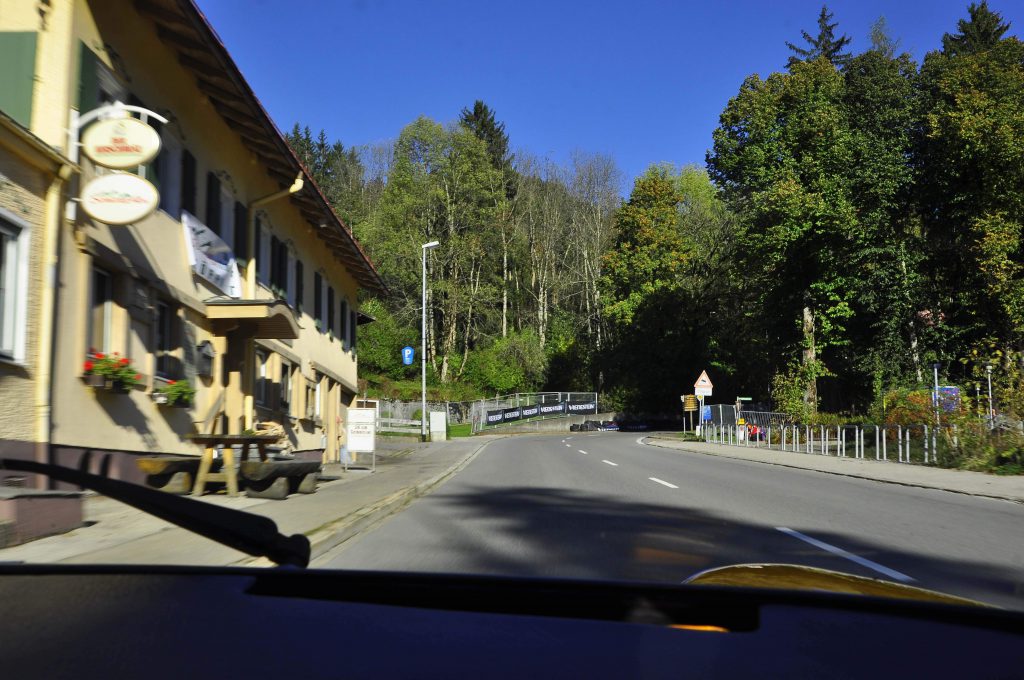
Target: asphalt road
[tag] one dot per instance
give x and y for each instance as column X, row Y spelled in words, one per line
column 604, row 506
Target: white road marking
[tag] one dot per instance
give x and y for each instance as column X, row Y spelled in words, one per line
column 568, row 446
column 663, row 482
column 862, row 561
column 583, row 452
column 640, row 441
column 610, row 463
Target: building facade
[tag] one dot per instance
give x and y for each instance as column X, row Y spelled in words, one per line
column 242, row 282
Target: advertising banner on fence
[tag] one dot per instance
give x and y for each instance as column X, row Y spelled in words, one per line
column 581, row 407
column 530, row 411
column 552, row 409
column 495, row 417
column 512, row 414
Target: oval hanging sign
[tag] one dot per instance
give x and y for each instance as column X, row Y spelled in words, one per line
column 119, row 198
column 120, row 143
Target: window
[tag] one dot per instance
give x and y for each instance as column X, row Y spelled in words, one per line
column 289, row 279
column 278, row 267
column 260, row 393
column 101, row 311
column 13, row 289
column 318, row 301
column 262, row 252
column 300, row 286
column 169, row 168
column 213, row 214
column 241, row 221
column 316, row 397
column 345, row 344
column 188, row 182
column 330, row 310
column 285, row 396
column 165, row 342
column 227, row 215
column 353, row 317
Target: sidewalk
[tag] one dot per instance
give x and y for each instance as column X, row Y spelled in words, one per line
column 1009, row 488
column 340, row 509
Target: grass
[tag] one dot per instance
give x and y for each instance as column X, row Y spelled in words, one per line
column 463, row 430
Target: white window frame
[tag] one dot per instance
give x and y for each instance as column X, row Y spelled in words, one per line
column 316, row 402
column 108, row 308
column 14, row 305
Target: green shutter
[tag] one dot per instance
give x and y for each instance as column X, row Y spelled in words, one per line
column 17, row 74
column 88, row 80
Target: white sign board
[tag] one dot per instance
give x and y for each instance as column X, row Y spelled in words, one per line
column 211, row 259
column 438, row 426
column 361, row 430
column 121, row 143
column 703, row 386
column 119, row 198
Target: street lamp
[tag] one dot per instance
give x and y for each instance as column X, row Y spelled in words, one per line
column 991, row 412
column 935, row 368
column 423, row 343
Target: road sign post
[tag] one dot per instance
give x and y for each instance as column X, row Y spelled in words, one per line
column 702, row 388
column 408, row 355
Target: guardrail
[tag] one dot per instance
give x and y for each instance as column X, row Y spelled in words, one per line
column 903, row 444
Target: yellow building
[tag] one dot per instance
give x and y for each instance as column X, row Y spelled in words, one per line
column 267, row 332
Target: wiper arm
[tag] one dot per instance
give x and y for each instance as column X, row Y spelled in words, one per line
column 251, row 534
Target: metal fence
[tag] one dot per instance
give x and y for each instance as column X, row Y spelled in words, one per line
column 904, row 444
column 478, row 409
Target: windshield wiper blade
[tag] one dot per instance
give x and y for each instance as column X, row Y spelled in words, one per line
column 252, row 534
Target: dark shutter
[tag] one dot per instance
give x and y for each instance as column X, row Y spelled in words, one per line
column 257, row 250
column 330, row 310
column 213, row 202
column 241, row 232
column 282, row 269
column 300, row 286
column 318, row 298
column 353, row 318
column 346, row 341
column 188, row 181
column 88, row 80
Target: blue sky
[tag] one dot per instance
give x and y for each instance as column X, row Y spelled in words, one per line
column 641, row 81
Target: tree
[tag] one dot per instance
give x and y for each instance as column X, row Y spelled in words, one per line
column 481, row 121
column 881, row 41
column 980, row 32
column 824, row 45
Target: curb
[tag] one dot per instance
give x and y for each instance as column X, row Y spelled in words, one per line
column 328, row 537
column 852, row 475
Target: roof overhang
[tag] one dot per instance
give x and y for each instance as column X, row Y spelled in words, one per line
column 267, row 319
column 183, row 28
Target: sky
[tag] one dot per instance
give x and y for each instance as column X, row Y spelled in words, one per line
column 641, row 81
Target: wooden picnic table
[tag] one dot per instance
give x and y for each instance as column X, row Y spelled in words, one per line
column 228, row 473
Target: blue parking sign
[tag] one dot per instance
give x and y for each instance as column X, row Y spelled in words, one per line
column 407, row 355
column 706, row 414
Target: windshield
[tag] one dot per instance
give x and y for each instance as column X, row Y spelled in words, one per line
column 622, row 293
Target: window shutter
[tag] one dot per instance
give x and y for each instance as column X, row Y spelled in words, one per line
column 318, row 299
column 289, row 286
column 241, row 232
column 353, row 318
column 263, row 255
column 188, row 182
column 88, row 81
column 213, row 202
column 330, row 310
column 300, row 286
column 346, row 340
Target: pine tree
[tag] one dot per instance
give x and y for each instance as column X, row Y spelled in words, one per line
column 482, row 123
column 981, row 32
column 825, row 45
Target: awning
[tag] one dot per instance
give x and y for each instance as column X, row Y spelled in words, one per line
column 271, row 319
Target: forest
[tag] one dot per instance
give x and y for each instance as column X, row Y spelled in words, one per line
column 857, row 224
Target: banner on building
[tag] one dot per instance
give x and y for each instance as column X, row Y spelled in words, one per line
column 581, row 407
column 210, row 257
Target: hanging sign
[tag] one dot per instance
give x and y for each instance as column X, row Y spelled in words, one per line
column 119, row 198
column 120, row 143
column 210, row 258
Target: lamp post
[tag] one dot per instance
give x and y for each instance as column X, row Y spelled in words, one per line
column 423, row 343
column 991, row 413
column 935, row 368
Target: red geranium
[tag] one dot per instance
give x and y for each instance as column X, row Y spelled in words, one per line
column 99, row 355
column 124, row 362
column 88, row 366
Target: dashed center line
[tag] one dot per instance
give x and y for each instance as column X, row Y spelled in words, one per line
column 582, row 451
column 610, row 463
column 569, row 446
column 663, row 482
column 862, row 561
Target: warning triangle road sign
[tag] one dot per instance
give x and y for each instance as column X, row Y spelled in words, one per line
column 703, row 380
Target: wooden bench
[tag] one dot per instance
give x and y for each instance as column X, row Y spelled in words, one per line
column 276, row 479
column 173, row 474
column 228, row 473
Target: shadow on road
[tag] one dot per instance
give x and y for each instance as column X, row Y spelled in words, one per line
column 565, row 533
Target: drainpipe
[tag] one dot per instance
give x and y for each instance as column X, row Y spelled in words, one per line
column 48, row 305
column 250, row 289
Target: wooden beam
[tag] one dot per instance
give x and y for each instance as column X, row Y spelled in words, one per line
column 159, row 14
column 179, row 40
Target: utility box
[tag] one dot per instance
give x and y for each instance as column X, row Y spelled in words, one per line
column 438, row 426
